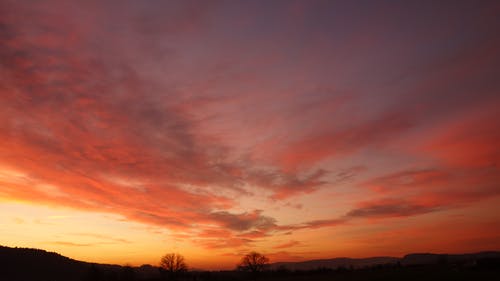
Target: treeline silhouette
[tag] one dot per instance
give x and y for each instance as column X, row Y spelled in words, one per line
column 21, row 264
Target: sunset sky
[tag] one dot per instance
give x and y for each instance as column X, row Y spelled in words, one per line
column 299, row 129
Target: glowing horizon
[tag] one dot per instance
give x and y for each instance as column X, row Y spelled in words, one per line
column 302, row 130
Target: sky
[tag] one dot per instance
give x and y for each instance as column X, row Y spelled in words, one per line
column 299, row 129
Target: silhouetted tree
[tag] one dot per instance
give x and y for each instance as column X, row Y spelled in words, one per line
column 172, row 265
column 253, row 262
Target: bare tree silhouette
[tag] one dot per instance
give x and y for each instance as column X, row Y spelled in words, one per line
column 172, row 264
column 253, row 262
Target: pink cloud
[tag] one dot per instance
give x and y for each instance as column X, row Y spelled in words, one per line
column 342, row 142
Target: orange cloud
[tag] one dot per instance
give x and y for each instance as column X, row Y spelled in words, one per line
column 287, row 245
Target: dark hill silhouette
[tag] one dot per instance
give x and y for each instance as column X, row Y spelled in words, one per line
column 33, row 264
column 19, row 264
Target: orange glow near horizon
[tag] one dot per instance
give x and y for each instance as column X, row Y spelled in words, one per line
column 302, row 130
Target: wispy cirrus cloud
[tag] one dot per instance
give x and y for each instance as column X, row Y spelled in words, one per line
column 390, row 208
column 289, row 244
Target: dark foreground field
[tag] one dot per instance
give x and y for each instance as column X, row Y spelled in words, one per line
column 385, row 273
column 18, row 264
column 393, row 273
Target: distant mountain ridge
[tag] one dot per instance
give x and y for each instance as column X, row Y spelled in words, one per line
column 334, row 263
column 428, row 258
column 407, row 260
